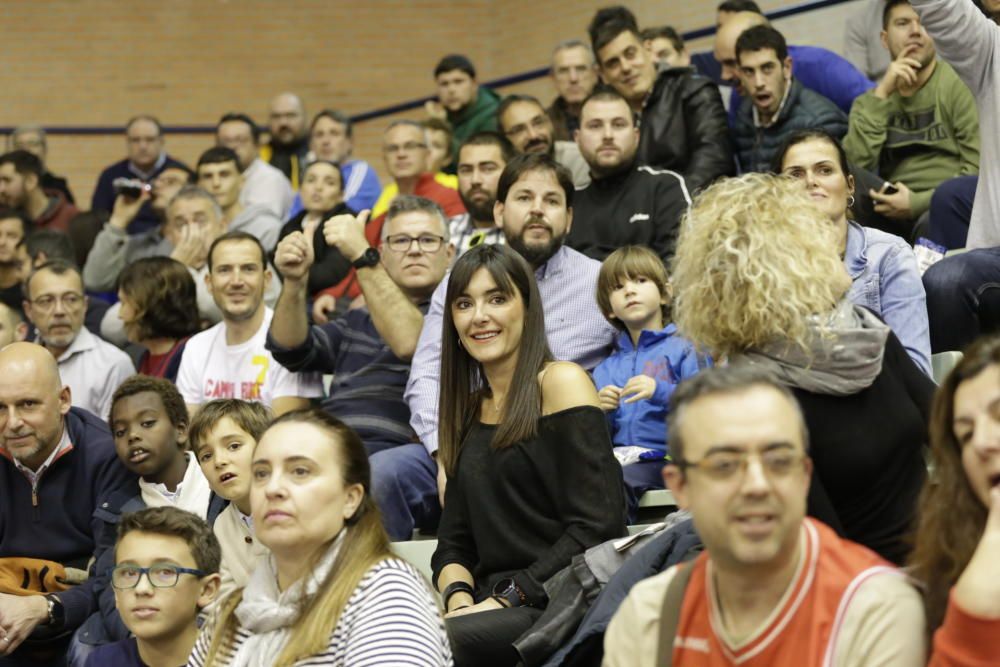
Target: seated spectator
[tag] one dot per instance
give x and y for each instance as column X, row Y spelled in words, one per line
column 149, row 425
column 816, row 68
column 627, row 203
column 222, row 436
column 332, row 587
column 55, row 304
column 481, row 160
column 12, row 325
column 262, row 183
column 666, row 46
column 884, row 275
column 863, row 40
column 772, row 587
column 958, row 531
column 514, row 512
column 759, row 280
column 633, row 292
column 57, row 465
column 918, row 127
column 682, row 120
column 777, row 104
column 467, row 106
column 323, row 197
column 534, row 208
column 219, row 174
column 31, row 138
column 332, row 139
column 13, row 228
column 289, row 137
column 157, row 297
column 179, row 557
column 146, row 160
column 439, row 145
column 950, row 211
column 229, row 360
column 368, row 349
column 523, row 121
column 574, row 79
column 21, row 189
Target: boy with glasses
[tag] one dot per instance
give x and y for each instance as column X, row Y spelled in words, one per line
column 165, row 573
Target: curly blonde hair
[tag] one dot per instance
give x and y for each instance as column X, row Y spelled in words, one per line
column 754, row 261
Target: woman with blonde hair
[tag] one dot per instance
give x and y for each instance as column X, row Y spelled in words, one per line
column 331, row 592
column 758, row 280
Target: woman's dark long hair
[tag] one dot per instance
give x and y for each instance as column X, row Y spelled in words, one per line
column 950, row 516
column 463, row 383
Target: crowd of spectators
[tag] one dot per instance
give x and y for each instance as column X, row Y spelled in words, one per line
column 227, row 390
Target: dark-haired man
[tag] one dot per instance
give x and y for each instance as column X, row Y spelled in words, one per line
column 262, row 183
column 776, row 104
column 527, row 126
column 682, row 121
column 21, row 189
column 13, row 226
column 146, row 160
column 574, row 77
column 481, row 160
column 666, row 46
column 32, row 139
column 219, row 174
column 534, row 209
column 466, row 105
column 627, row 203
column 289, row 137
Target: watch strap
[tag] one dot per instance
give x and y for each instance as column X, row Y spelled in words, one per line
column 456, row 587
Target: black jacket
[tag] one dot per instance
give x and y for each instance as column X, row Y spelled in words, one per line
column 684, row 128
column 637, row 206
column 329, row 267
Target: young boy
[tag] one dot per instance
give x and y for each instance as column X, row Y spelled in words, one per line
column 166, row 571
column 223, row 435
column 650, row 359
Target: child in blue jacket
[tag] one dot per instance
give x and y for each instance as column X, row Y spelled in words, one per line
column 635, row 383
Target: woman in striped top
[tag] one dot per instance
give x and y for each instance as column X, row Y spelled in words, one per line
column 330, row 593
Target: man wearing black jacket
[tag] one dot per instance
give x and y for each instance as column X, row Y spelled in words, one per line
column 683, row 123
column 626, row 203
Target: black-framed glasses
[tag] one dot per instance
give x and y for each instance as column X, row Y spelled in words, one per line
column 126, row 577
column 776, row 463
column 429, row 243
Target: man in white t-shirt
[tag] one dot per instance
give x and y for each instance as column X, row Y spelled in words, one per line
column 229, row 360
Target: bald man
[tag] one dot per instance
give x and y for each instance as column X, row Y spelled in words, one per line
column 57, row 467
column 289, row 143
column 816, row 68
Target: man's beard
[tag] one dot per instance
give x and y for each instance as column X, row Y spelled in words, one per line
column 537, row 254
column 479, row 212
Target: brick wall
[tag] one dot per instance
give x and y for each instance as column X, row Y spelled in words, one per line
column 188, row 61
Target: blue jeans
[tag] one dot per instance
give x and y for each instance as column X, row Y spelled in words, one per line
column 963, row 298
column 951, row 208
column 404, row 485
column 640, row 477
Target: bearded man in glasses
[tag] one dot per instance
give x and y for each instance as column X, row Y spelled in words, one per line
column 772, row 587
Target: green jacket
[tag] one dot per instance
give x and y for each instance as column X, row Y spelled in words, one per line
column 479, row 116
column 920, row 140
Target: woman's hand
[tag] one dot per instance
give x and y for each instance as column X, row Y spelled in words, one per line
column 978, row 589
column 486, row 605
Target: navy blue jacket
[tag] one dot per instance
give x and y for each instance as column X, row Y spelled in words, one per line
column 104, row 193
column 60, row 525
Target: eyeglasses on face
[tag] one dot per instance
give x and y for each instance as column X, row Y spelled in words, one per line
column 408, row 147
column 429, row 243
column 69, row 300
column 125, row 577
column 727, row 465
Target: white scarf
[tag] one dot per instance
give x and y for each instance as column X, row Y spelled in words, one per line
column 192, row 495
column 270, row 614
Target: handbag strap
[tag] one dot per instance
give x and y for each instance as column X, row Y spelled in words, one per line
column 670, row 614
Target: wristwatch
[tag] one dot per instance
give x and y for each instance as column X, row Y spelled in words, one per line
column 369, row 257
column 507, row 593
column 57, row 613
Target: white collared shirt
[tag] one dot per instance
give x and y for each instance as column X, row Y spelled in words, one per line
column 93, row 369
column 34, row 475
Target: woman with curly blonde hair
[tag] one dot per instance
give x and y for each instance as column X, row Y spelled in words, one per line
column 758, row 280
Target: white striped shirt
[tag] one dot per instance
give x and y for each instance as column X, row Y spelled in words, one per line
column 391, row 618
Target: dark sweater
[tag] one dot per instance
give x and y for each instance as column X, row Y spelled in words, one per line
column 868, row 454
column 524, row 511
column 637, row 206
column 61, row 525
column 104, row 193
column 330, row 267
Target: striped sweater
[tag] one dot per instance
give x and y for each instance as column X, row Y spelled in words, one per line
column 391, row 618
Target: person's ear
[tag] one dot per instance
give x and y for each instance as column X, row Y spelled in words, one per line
column 21, row 331
column 884, row 37
column 182, row 434
column 209, row 590
column 850, row 184
column 354, row 493
column 569, row 218
column 787, row 67
column 65, row 400
column 498, row 214
column 675, row 480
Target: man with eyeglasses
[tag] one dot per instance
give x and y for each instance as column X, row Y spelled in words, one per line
column 92, row 368
column 368, row 350
column 772, row 586
column 527, row 126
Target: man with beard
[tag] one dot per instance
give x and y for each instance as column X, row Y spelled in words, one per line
column 289, row 143
column 21, row 189
column 534, row 208
column 92, row 368
column 918, row 126
column 627, row 203
column 481, row 159
column 13, row 225
column 230, row 360
column 32, row 139
column 529, row 129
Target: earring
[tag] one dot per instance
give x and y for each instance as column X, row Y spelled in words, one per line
column 850, row 201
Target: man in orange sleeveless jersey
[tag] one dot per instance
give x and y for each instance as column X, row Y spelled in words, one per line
column 772, row 587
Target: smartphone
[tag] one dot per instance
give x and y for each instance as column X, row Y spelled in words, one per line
column 889, row 189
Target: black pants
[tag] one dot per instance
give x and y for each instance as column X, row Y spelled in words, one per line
column 486, row 639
